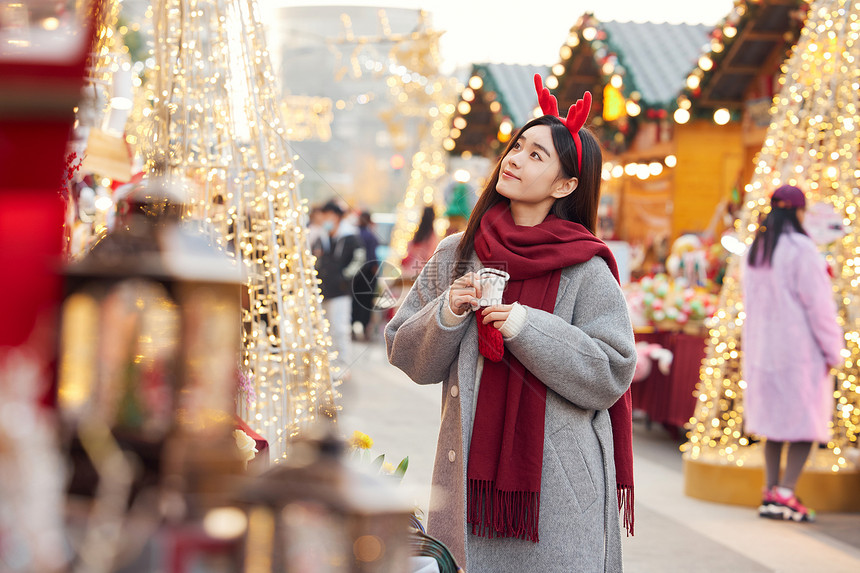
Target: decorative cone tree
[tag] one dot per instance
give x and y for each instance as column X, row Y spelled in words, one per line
column 812, row 142
column 217, row 122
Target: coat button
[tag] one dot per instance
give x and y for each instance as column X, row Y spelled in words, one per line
column 451, row 456
column 454, row 391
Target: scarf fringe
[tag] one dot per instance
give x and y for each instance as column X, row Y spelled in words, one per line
column 625, row 506
column 493, row 513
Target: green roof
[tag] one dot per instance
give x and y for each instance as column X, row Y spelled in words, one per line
column 515, row 87
column 657, row 57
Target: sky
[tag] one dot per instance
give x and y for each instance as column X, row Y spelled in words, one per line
column 528, row 31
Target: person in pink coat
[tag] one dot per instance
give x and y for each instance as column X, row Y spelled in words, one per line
column 791, row 341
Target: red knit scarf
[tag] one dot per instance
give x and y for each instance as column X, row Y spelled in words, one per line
column 506, row 452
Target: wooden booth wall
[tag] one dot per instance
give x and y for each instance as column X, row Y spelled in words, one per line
column 711, row 162
column 646, row 209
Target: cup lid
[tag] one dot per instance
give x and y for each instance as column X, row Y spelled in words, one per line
column 492, row 271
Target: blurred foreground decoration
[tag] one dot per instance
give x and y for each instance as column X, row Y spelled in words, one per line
column 811, row 143
column 217, row 121
column 148, row 346
column 318, row 512
column 147, row 383
column 43, row 54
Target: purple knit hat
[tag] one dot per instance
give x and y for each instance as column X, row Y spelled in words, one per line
column 788, row 197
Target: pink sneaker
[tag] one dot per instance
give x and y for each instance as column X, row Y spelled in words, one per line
column 791, row 509
column 769, row 508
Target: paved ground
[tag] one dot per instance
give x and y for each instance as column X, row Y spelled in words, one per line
column 674, row 533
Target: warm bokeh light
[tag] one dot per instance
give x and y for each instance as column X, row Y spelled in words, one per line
column 633, row 108
column 722, row 116
column 693, row 81
column 681, row 116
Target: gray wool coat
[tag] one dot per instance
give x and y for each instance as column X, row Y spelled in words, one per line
column 584, row 353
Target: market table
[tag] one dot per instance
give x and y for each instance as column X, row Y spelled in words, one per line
column 669, row 399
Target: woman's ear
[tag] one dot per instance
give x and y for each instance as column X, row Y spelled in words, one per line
column 565, row 187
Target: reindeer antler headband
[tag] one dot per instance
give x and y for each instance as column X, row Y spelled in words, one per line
column 576, row 115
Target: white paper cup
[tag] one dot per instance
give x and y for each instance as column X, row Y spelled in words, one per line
column 493, row 282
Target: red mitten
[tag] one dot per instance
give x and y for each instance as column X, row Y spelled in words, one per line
column 491, row 345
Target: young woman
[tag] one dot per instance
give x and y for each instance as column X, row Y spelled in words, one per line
column 791, row 340
column 525, row 469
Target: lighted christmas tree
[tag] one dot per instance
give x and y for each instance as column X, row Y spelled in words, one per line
column 217, row 122
column 812, row 142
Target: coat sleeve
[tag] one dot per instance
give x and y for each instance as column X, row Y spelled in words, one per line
column 815, row 291
column 416, row 339
column 590, row 361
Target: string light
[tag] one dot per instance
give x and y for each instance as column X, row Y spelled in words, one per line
column 814, row 127
column 681, row 116
column 217, row 121
column 429, row 162
column 421, row 91
column 722, row 116
column 742, row 17
column 643, row 171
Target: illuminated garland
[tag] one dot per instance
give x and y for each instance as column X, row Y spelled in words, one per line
column 427, row 94
column 723, row 37
column 217, row 121
column 641, row 171
column 477, row 89
column 812, row 142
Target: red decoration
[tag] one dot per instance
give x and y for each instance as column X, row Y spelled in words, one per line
column 37, row 100
column 576, row 115
column 70, row 170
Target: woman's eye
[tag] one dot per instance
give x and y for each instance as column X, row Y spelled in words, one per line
column 536, row 155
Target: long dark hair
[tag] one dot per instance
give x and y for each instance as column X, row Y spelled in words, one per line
column 777, row 222
column 580, row 206
column 425, row 227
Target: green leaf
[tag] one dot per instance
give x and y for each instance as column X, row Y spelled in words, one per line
column 376, row 465
column 401, row 467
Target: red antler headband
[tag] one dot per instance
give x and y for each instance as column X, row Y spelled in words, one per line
column 576, row 115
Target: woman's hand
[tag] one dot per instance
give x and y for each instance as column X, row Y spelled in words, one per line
column 464, row 293
column 497, row 314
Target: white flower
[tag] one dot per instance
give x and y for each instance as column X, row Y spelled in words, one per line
column 246, row 444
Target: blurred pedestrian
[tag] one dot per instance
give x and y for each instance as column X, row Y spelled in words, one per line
column 315, row 227
column 531, row 464
column 340, row 254
column 421, row 247
column 365, row 281
column 791, row 340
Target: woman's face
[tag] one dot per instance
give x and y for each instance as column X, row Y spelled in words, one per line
column 531, row 171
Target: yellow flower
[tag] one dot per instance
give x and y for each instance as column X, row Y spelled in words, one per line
column 388, row 468
column 361, row 441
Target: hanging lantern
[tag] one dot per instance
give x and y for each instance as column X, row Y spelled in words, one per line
column 315, row 511
column 614, row 104
column 149, row 341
